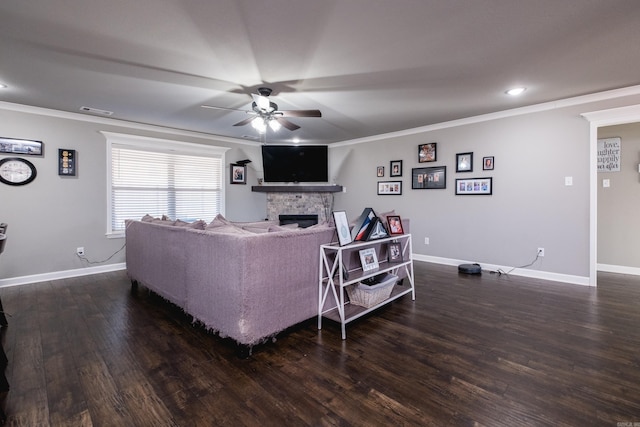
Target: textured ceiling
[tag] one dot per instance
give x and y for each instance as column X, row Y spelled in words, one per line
column 370, row 66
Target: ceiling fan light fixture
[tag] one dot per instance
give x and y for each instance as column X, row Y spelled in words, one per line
column 516, row 91
column 274, row 125
column 259, row 124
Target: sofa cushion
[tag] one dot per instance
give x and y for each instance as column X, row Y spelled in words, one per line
column 162, row 221
column 320, row 225
column 227, row 229
column 218, row 221
column 257, row 230
column 256, row 224
column 147, row 218
column 197, row 225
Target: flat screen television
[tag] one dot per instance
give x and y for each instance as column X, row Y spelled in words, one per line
column 295, row 163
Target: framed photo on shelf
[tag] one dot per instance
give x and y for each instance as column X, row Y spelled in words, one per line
column 342, row 227
column 464, row 162
column 395, row 225
column 394, row 252
column 369, row 259
column 474, row 186
column 429, row 178
column 487, row 163
column 389, row 188
column 238, row 174
column 24, row 147
column 427, row 152
column 395, row 168
column 363, row 225
column 380, row 171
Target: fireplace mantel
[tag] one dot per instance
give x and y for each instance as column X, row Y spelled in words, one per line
column 297, row 188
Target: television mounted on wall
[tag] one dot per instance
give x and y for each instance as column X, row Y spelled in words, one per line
column 295, row 163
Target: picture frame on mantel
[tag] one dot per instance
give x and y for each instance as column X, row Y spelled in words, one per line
column 238, row 173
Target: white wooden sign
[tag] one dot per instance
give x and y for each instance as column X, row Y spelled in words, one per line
column 609, row 154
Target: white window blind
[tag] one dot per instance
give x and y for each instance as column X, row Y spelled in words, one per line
column 160, row 180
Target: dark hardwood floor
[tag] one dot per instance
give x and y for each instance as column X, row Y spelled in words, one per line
column 471, row 350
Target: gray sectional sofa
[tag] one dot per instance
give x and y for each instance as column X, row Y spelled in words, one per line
column 246, row 281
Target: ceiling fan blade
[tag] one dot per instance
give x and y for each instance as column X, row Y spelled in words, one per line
column 245, row 121
column 213, row 107
column 286, row 123
column 301, row 113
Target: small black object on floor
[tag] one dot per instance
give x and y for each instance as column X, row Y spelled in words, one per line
column 470, row 268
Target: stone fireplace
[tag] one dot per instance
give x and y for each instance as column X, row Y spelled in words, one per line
column 299, row 199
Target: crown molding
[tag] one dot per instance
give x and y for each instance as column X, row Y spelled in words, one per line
column 107, row 121
column 546, row 106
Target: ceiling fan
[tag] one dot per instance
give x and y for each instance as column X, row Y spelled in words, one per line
column 265, row 113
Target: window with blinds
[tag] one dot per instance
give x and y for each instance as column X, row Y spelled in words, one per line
column 179, row 180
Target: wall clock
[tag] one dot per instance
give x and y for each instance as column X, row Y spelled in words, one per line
column 16, row 171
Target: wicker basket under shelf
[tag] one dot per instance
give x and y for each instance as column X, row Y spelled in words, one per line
column 368, row 296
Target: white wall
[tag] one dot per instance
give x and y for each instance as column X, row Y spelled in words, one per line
column 52, row 216
column 619, row 204
column 531, row 206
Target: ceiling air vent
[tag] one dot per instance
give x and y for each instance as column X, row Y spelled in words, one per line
column 96, row 111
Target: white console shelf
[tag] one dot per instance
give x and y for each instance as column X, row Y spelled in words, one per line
column 332, row 303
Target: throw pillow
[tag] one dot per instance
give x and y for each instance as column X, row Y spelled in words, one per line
column 218, row 221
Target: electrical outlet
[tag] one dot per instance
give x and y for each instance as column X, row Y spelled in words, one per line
column 540, row 251
column 426, row 240
column 80, row 251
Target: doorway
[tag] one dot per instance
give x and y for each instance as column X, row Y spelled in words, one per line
column 597, row 119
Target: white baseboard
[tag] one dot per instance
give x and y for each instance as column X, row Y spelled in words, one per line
column 536, row 274
column 35, row 278
column 635, row 271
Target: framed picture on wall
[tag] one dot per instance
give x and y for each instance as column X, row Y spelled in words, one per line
column 389, row 187
column 380, row 171
column 464, row 162
column 66, row 162
column 429, row 178
column 395, row 168
column 487, row 163
column 238, row 174
column 474, row 186
column 427, row 152
column 23, row 147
